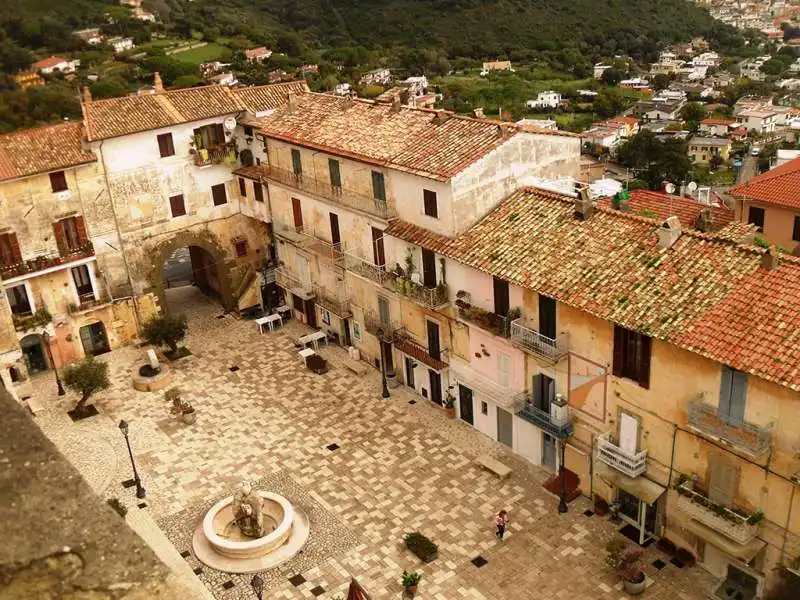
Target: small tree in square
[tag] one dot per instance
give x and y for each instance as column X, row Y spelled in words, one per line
column 166, row 331
column 86, row 377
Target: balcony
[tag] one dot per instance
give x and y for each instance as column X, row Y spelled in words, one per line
column 610, row 453
column 404, row 342
column 291, row 283
column 87, row 303
column 307, row 238
column 557, row 421
column 338, row 304
column 221, row 154
column 489, row 321
column 734, row 524
column 40, row 263
column 431, row 297
column 336, row 194
column 367, row 270
column 373, row 323
column 32, row 321
column 535, row 343
column 752, row 439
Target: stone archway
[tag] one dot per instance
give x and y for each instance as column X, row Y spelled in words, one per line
column 202, row 240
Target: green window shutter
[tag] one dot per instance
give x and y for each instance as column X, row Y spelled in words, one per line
column 297, row 162
column 336, row 175
column 725, row 387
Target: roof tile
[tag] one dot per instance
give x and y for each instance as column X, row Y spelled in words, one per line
column 780, row 186
column 49, row 148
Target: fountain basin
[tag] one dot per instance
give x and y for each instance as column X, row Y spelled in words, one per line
column 154, row 383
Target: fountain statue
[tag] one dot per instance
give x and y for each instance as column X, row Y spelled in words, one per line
column 247, row 511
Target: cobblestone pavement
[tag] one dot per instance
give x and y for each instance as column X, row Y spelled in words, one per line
column 399, row 467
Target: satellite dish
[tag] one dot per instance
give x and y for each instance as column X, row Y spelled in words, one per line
column 670, row 187
column 229, row 123
column 692, row 186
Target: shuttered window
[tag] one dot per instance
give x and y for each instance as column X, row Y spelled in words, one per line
column 723, row 479
column 9, row 250
column 58, row 181
column 218, row 194
column 632, row 356
column 165, row 145
column 258, row 190
column 378, row 186
column 297, row 163
column 177, row 206
column 70, row 234
column 431, row 206
column 732, row 395
column 335, row 173
column 796, row 230
column 242, row 188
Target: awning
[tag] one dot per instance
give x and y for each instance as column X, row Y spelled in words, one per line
column 254, row 172
column 641, row 487
column 745, row 552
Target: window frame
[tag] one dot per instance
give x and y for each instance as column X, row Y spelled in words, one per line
column 166, row 145
column 240, row 246
column 172, row 200
column 378, row 186
column 632, row 356
column 334, row 166
column 58, row 181
column 752, row 221
column 430, row 203
column 224, row 192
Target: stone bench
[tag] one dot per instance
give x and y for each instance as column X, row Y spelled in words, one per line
column 35, row 405
column 356, row 366
column 493, row 465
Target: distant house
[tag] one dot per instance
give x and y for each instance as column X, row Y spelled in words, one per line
column 599, row 69
column 91, row 36
column 28, row 79
column 548, row 124
column 120, row 44
column 309, row 69
column 629, row 126
column 207, row 69
column 702, row 149
column 603, row 136
column 658, row 111
column 417, row 86
column 759, row 120
column 342, row 89
column 586, row 93
column 143, row 15
column 278, row 75
column 496, row 65
column 56, row 64
column 716, row 127
column 707, row 59
column 380, row 76
column 548, row 99
column 259, row 54
column 228, row 79
column 637, row 83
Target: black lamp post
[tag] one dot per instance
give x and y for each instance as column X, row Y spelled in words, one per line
column 140, row 491
column 562, row 502
column 46, row 338
column 383, row 366
column 258, row 586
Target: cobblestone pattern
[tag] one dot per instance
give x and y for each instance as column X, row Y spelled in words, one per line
column 399, row 467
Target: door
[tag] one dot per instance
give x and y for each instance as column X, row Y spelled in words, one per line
column 505, row 427
column 628, row 507
column 410, row 373
column 428, row 268
column 386, row 349
column 465, row 404
column 336, row 238
column 94, row 340
column 33, row 352
column 347, row 340
column 628, row 433
column 433, row 340
column 310, row 310
column 297, row 213
column 378, row 254
column 436, row 386
column 547, row 317
column 549, row 451
column 501, row 299
column 383, row 312
column 544, row 389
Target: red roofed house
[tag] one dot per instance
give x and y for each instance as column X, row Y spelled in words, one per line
column 257, row 54
column 771, row 201
column 716, row 127
column 56, row 64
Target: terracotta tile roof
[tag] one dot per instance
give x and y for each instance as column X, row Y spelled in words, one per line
column 47, row 63
column 114, row 117
column 430, row 143
column 717, row 122
column 625, row 120
column 255, row 172
column 780, row 186
column 660, row 206
column 49, row 148
column 704, row 294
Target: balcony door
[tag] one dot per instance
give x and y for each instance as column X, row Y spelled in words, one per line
column 465, row 404
column 436, row 386
column 378, row 254
column 501, row 299
column 433, row 340
column 83, row 282
column 628, row 433
column 428, row 268
column 505, row 427
column 297, row 213
column 547, row 317
column 336, row 237
column 544, row 392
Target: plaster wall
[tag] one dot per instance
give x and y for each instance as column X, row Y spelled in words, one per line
column 248, row 205
column 778, row 223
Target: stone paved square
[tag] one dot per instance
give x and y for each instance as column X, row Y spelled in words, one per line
column 399, row 467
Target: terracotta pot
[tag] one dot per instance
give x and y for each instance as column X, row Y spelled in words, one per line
column 411, row 589
column 451, row 412
column 633, row 588
column 189, row 417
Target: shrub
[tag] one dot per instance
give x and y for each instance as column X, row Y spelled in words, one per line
column 118, row 506
column 626, row 559
column 166, row 331
column 421, row 546
column 86, row 377
column 410, row 579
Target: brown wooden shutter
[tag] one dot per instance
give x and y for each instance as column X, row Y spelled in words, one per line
column 61, row 239
column 619, row 350
column 80, row 227
column 242, row 188
column 177, row 205
column 643, row 366
column 16, row 253
column 259, row 192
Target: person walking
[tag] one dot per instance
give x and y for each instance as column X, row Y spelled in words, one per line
column 501, row 520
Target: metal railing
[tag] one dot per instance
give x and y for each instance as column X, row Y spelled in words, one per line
column 65, row 256
column 559, row 427
column 373, row 323
column 337, row 194
column 289, row 281
column 492, row 322
column 610, row 453
column 536, row 343
column 726, row 521
column 754, row 439
column 311, row 240
column 224, row 153
column 339, row 304
column 366, row 269
column 431, row 297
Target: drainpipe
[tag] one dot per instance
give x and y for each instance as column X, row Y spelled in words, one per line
column 671, row 470
column 121, row 244
column 788, row 520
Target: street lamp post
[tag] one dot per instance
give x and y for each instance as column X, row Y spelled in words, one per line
column 258, row 586
column 46, row 338
column 383, row 366
column 562, row 502
column 140, row 491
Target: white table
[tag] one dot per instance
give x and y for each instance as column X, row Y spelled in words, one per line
column 305, row 353
column 283, row 308
column 314, row 338
column 270, row 320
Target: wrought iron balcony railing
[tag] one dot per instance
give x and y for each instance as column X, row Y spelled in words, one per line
column 337, row 303
column 753, row 439
column 307, row 238
column 224, row 153
column 47, row 261
column 382, row 328
column 534, row 342
column 610, row 453
column 289, row 281
column 492, row 322
column 731, row 523
column 557, row 421
column 431, row 297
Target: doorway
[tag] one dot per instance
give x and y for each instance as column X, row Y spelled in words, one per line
column 192, row 265
column 410, row 373
column 436, row 386
column 505, row 427
column 465, row 404
column 549, row 452
column 434, row 350
column 34, row 353
column 642, row 516
column 94, row 339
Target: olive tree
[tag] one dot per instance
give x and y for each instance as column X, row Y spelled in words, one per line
column 86, row 377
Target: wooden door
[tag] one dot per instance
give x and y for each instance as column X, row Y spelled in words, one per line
column 436, row 386
column 433, row 340
column 336, row 237
column 428, row 268
column 410, row 372
column 547, row 317
column 465, row 404
column 378, row 254
column 501, row 299
column 297, row 213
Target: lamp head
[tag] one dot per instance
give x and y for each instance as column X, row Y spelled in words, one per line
column 123, row 427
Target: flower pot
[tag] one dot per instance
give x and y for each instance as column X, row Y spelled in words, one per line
column 189, row 417
column 451, row 411
column 411, row 590
column 600, row 506
column 635, row 588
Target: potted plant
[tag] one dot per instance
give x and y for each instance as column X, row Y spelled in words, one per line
column 182, row 409
column 626, row 559
column 411, row 581
column 450, row 403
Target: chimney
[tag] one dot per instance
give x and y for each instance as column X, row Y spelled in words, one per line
column 157, row 85
column 291, row 99
column 396, row 104
column 584, row 206
column 668, row 233
column 478, row 112
column 705, row 220
column 770, row 260
column 87, row 94
column 441, row 117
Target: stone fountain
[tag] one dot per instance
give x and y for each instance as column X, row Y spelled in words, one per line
column 250, row 531
column 152, row 376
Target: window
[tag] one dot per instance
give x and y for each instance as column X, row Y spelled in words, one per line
column 484, row 408
column 258, row 191
column 218, row 194
column 18, row 300
column 431, row 208
column 165, row 145
column 335, row 173
column 248, row 131
column 177, row 206
column 732, row 395
column 632, row 356
column 83, row 283
column 755, row 216
column 58, row 181
column 378, row 186
column 241, row 248
column 258, row 161
column 357, row 331
column 297, row 163
column 297, row 214
column 70, row 234
column 242, row 188
column 209, row 136
column 326, row 317
column 796, row 230
column 9, row 250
